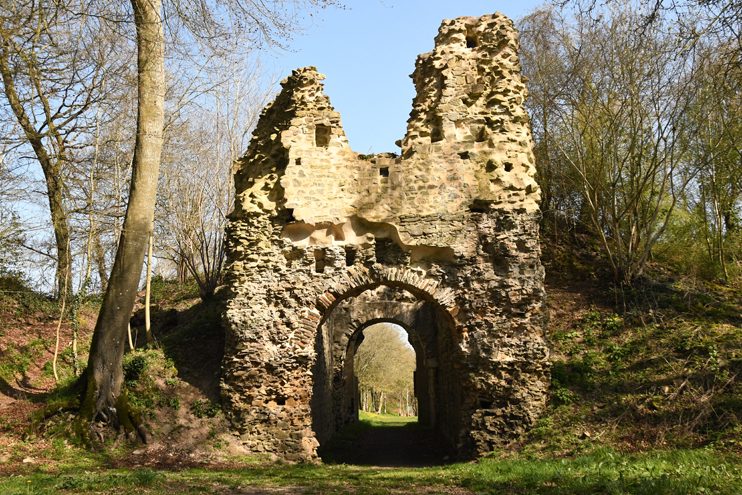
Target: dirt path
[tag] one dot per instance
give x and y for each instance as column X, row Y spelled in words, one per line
column 392, row 447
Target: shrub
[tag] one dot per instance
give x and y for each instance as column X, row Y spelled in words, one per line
column 134, row 365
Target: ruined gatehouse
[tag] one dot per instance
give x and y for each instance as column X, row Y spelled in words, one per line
column 441, row 240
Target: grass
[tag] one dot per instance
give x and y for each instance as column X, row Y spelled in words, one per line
column 662, row 374
column 385, row 420
column 604, row 471
column 367, row 421
column 646, row 401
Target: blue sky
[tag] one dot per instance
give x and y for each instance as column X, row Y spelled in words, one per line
column 368, row 52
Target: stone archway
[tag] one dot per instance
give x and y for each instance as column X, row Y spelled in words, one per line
column 429, row 326
column 345, row 376
column 452, row 220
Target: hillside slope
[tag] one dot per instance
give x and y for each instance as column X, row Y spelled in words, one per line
column 656, row 366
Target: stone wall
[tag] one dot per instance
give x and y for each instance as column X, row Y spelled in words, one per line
column 442, row 239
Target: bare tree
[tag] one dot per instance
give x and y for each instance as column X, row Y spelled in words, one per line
column 618, row 119
column 105, row 396
column 11, row 192
column 693, row 21
column 53, row 63
column 196, row 187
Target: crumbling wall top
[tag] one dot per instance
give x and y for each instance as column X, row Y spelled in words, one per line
column 468, row 143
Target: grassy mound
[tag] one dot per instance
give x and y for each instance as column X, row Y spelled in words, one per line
column 664, row 373
column 646, row 399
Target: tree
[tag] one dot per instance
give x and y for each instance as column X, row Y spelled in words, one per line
column 11, row 231
column 104, row 374
column 105, row 395
column 384, row 364
column 714, row 201
column 617, row 101
column 694, row 20
column 196, row 187
column 54, row 63
column 545, row 56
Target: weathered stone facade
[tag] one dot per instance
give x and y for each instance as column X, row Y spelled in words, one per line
column 442, row 240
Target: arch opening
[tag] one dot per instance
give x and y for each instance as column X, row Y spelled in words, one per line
column 383, row 364
column 336, row 397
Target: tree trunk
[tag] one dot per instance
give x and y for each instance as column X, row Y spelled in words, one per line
column 50, row 165
column 100, row 261
column 182, row 270
column 147, row 322
column 104, row 394
column 54, row 186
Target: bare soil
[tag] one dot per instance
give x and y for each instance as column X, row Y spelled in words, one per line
column 33, row 334
column 180, row 439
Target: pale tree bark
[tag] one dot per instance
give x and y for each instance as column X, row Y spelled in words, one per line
column 128, row 334
column 147, row 322
column 105, row 394
column 59, row 326
column 91, row 204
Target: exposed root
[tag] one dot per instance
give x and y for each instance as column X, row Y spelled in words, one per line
column 47, row 412
column 130, row 418
column 90, row 425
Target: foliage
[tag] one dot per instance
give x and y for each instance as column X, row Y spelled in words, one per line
column 15, row 362
column 143, row 371
column 17, row 298
column 384, row 365
column 205, row 409
column 610, row 105
column 707, row 234
column 662, row 375
column 134, row 365
column 169, row 292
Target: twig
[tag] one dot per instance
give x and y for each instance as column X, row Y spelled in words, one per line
column 131, row 344
column 59, row 325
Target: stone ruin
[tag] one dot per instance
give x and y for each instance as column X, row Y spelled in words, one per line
column 441, row 240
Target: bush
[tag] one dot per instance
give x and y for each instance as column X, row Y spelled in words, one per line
column 134, row 365
column 205, row 409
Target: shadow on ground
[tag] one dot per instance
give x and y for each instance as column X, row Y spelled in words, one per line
column 403, row 445
column 193, row 338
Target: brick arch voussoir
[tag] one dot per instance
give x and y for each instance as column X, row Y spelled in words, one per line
column 358, row 279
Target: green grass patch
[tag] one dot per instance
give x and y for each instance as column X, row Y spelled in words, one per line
column 374, row 420
column 651, row 377
column 604, row 471
column 141, row 371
